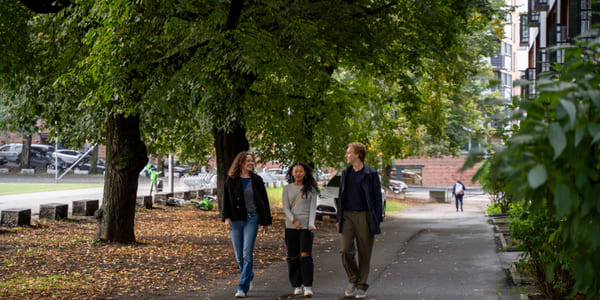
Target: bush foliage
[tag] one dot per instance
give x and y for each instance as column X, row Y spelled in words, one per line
column 551, row 164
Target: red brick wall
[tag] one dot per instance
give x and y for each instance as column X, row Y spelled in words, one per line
column 442, row 171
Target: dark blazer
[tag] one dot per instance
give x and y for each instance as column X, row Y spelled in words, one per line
column 371, row 187
column 234, row 206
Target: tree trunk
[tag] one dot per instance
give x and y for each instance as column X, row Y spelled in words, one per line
column 125, row 158
column 227, row 146
column 25, row 152
column 385, row 174
column 94, row 160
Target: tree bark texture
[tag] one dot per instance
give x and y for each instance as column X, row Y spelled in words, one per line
column 94, row 160
column 126, row 156
column 25, row 152
column 227, row 145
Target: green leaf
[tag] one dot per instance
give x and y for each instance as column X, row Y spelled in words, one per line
column 579, row 133
column 557, row 139
column 537, row 176
column 570, row 108
column 594, row 131
column 564, row 198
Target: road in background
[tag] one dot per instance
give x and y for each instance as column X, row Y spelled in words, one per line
column 34, row 200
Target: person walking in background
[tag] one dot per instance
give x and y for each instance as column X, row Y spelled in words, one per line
column 458, row 190
column 358, row 218
column 245, row 206
column 299, row 200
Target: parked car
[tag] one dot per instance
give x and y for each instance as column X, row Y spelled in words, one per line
column 42, row 147
column 279, row 173
column 85, row 165
column 397, row 186
column 69, row 156
column 11, row 152
column 43, row 160
column 327, row 201
column 178, row 170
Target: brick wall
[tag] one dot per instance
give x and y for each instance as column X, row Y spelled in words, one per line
column 442, row 171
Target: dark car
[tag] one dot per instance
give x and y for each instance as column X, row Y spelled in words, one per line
column 43, row 160
column 85, row 165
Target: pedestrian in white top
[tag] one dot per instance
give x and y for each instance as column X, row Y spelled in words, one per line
column 299, row 205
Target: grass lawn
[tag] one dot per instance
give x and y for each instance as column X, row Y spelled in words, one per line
column 23, row 188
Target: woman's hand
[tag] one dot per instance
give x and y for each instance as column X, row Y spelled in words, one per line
column 265, row 228
column 297, row 224
column 312, row 228
column 228, row 224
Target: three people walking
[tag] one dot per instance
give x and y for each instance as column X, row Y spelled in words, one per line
column 359, row 214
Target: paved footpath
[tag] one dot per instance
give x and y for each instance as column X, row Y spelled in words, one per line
column 429, row 251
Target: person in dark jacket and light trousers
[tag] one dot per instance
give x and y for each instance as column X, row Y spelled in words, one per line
column 359, row 215
column 245, row 206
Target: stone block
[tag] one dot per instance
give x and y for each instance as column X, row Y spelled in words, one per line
column 85, row 207
column 161, row 198
column 144, row 201
column 15, row 217
column 54, row 211
column 437, row 196
column 4, row 170
column 81, row 172
column 27, row 171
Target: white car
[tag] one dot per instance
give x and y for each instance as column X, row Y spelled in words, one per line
column 279, row 173
column 397, row 186
column 68, row 156
column 327, row 201
column 11, row 152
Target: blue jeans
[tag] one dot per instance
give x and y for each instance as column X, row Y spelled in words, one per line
column 243, row 235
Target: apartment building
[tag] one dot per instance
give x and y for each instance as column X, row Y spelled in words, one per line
column 551, row 24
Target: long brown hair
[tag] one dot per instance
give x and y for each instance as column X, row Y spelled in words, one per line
column 238, row 163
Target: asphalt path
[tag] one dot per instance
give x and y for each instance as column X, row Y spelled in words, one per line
column 429, row 251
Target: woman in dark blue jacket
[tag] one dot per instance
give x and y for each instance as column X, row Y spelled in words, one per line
column 245, row 206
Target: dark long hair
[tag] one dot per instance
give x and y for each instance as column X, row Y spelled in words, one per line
column 309, row 183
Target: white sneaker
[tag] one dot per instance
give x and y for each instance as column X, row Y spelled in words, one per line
column 350, row 290
column 308, row 292
column 297, row 291
column 361, row 294
column 240, row 294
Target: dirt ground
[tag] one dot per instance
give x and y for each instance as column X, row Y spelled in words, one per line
column 179, row 250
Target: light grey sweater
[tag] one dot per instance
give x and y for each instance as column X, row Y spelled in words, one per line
column 304, row 209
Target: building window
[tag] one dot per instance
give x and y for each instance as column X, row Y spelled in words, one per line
column 524, row 32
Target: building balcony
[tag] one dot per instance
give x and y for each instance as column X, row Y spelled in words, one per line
column 534, row 16
column 529, row 74
column 501, row 62
column 541, row 5
column 524, row 30
column 558, row 35
column 542, row 61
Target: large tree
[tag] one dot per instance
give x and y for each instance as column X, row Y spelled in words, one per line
column 160, row 73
